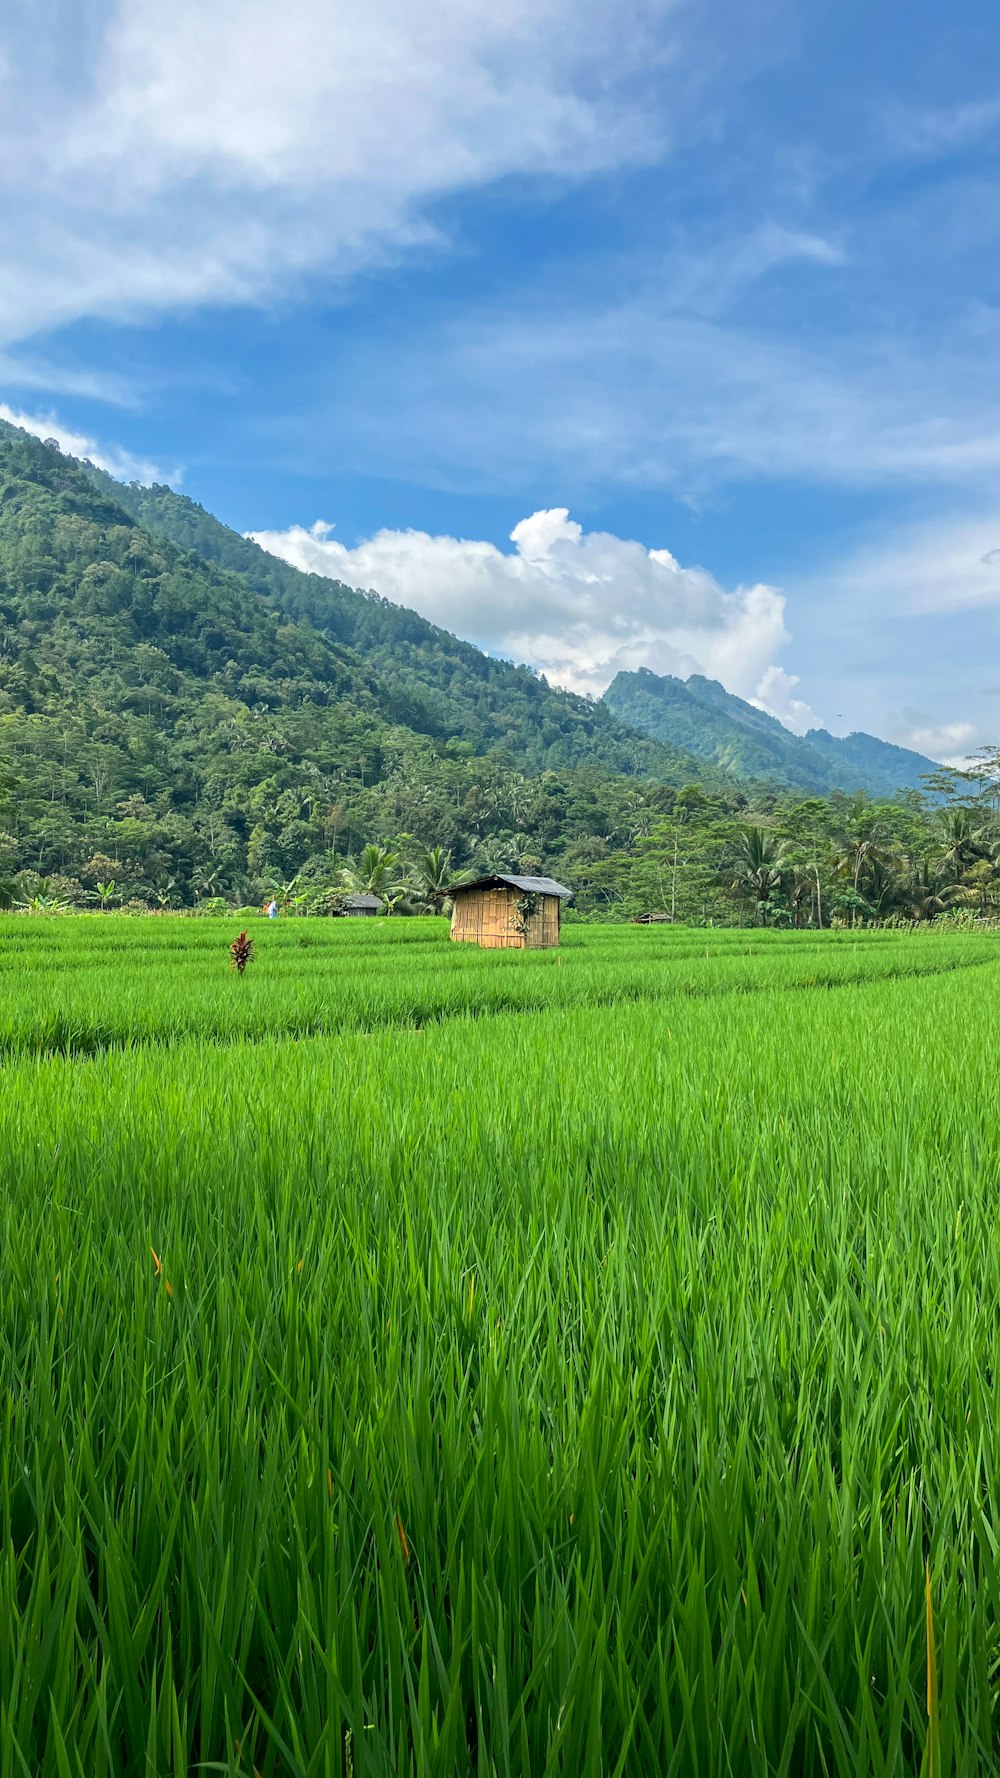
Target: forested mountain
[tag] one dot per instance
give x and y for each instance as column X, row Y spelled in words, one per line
column 164, row 725
column 428, row 679
column 700, row 715
column 441, row 686
column 174, row 727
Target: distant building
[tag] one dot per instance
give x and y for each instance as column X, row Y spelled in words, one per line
column 362, row 905
column 508, row 913
column 657, row 918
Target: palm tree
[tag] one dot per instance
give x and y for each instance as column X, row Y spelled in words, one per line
column 857, row 853
column 759, row 860
column 929, row 892
column 961, row 840
column 979, row 885
column 882, row 881
column 800, row 891
column 372, row 873
column 207, row 882
column 430, row 878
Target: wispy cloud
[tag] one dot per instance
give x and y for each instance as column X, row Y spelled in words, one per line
column 581, row 606
column 25, row 370
column 948, row 564
column 705, row 280
column 633, row 393
column 907, row 625
column 928, row 131
column 215, row 151
column 120, row 463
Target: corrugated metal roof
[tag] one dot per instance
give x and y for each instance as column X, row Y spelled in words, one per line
column 527, row 885
column 362, row 901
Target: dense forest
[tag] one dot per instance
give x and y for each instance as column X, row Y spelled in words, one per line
column 186, row 721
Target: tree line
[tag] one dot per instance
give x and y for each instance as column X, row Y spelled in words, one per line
column 688, row 855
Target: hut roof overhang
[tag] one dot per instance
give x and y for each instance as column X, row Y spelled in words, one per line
column 362, row 901
column 527, row 885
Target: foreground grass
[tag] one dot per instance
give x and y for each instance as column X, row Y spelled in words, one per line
column 584, row 1393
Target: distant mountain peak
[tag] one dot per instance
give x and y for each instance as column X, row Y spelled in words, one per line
column 701, row 716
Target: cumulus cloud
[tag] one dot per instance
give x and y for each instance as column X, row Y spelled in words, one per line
column 121, row 464
column 153, row 158
column 580, row 606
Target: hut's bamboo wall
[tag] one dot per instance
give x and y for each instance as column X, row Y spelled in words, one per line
column 491, row 918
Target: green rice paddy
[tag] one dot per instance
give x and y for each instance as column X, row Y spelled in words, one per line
column 424, row 1360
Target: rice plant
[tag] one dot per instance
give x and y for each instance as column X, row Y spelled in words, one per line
column 580, row 1366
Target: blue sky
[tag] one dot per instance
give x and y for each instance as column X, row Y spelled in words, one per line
column 699, row 300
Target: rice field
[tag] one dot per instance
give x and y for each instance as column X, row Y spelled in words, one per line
column 420, row 1360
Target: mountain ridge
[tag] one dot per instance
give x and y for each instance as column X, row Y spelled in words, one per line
column 165, row 727
column 416, row 662
column 702, row 716
column 432, row 680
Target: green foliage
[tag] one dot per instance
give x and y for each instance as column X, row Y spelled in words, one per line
column 425, row 678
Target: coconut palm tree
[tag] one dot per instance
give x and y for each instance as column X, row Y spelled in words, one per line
column 209, row 882
column 882, row 881
column 757, row 875
column 929, row 891
column 962, row 840
column 373, row 873
column 430, row 877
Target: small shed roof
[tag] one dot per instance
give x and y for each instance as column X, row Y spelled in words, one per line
column 362, row 901
column 527, row 885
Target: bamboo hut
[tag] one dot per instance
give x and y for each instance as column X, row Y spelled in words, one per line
column 508, row 913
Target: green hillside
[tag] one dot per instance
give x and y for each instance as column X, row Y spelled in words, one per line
column 701, row 716
column 441, row 686
column 163, row 724
column 428, row 679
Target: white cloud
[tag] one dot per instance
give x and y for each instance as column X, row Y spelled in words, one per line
column 952, row 743
column 121, row 464
column 580, row 606
column 152, row 158
column 776, row 694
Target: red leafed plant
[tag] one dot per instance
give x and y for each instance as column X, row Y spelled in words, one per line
column 241, row 953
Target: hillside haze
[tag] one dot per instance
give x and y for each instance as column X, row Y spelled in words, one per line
column 700, row 715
